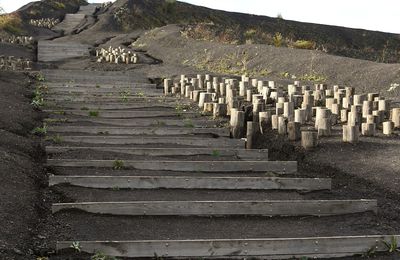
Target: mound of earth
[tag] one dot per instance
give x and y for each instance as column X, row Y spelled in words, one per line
column 237, row 28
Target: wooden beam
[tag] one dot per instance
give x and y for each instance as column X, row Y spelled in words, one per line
column 154, row 140
column 111, row 105
column 262, row 248
column 137, row 122
column 287, row 167
column 224, row 208
column 160, row 130
column 192, row 182
column 124, row 113
column 241, row 154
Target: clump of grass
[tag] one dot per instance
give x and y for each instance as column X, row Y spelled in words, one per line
column 278, row 39
column 118, row 165
column 94, row 113
column 38, row 99
column 125, row 95
column 215, row 153
column 391, row 246
column 56, row 120
column 55, row 139
column 40, row 77
column 313, row 77
column 303, row 44
column 188, row 123
column 11, row 23
column 60, row 112
column 76, row 246
column 40, row 131
column 102, row 256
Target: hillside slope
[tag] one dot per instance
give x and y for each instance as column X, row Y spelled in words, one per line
column 240, row 28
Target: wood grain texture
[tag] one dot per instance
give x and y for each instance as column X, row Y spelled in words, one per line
column 270, row 248
column 224, row 208
column 191, row 182
column 281, row 167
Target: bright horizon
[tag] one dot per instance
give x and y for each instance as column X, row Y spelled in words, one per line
column 369, row 15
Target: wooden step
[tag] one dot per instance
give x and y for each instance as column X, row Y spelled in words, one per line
column 49, row 51
column 281, row 167
column 69, row 105
column 137, row 122
column 191, row 182
column 100, row 85
column 154, row 140
column 160, row 130
column 260, row 248
column 240, row 154
column 122, row 113
column 135, row 89
column 224, row 208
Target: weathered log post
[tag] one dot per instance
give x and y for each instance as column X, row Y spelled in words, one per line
column 294, row 132
column 368, row 129
column 220, row 110
column 252, row 133
column 204, row 98
column 396, row 117
column 324, row 127
column 309, row 139
column 388, row 128
column 282, row 125
column 167, row 86
column 237, row 123
column 350, row 133
column 265, row 119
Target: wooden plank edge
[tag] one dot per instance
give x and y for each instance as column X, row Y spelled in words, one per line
column 270, row 248
column 191, row 182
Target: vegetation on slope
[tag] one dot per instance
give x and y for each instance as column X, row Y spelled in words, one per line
column 235, row 28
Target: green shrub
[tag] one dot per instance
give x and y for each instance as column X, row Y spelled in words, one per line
column 278, row 39
column 303, row 44
column 11, row 23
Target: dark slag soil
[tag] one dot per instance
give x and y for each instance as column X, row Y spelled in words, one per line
column 21, row 175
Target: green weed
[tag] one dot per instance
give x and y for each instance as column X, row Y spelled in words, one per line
column 94, row 113
column 40, row 131
column 102, row 256
column 188, row 123
column 76, row 246
column 278, row 39
column 391, row 246
column 57, row 139
column 118, row 165
column 215, row 153
column 303, row 44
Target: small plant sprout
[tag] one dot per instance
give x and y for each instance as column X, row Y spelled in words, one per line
column 215, row 153
column 97, row 86
column 391, row 246
column 188, row 123
column 94, row 113
column 40, row 131
column 102, row 256
column 118, row 165
column 40, row 77
column 56, row 139
column 125, row 95
column 76, row 246
column 140, row 94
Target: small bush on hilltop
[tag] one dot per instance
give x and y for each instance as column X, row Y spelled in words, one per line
column 303, row 44
column 278, row 39
column 11, row 23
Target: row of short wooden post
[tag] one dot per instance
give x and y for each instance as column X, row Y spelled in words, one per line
column 20, row 40
column 12, row 63
column 317, row 108
column 116, row 55
column 44, row 22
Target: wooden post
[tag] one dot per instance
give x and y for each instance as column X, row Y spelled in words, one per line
column 208, row 107
column 220, row 110
column 300, row 116
column 253, row 131
column 396, row 117
column 324, row 127
column 387, row 128
column 274, row 122
column 288, row 110
column 265, row 119
column 282, row 125
column 350, row 133
column 204, row 98
column 309, row 139
column 167, row 85
column 294, row 132
column 237, row 123
column 368, row 129
column 188, row 91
